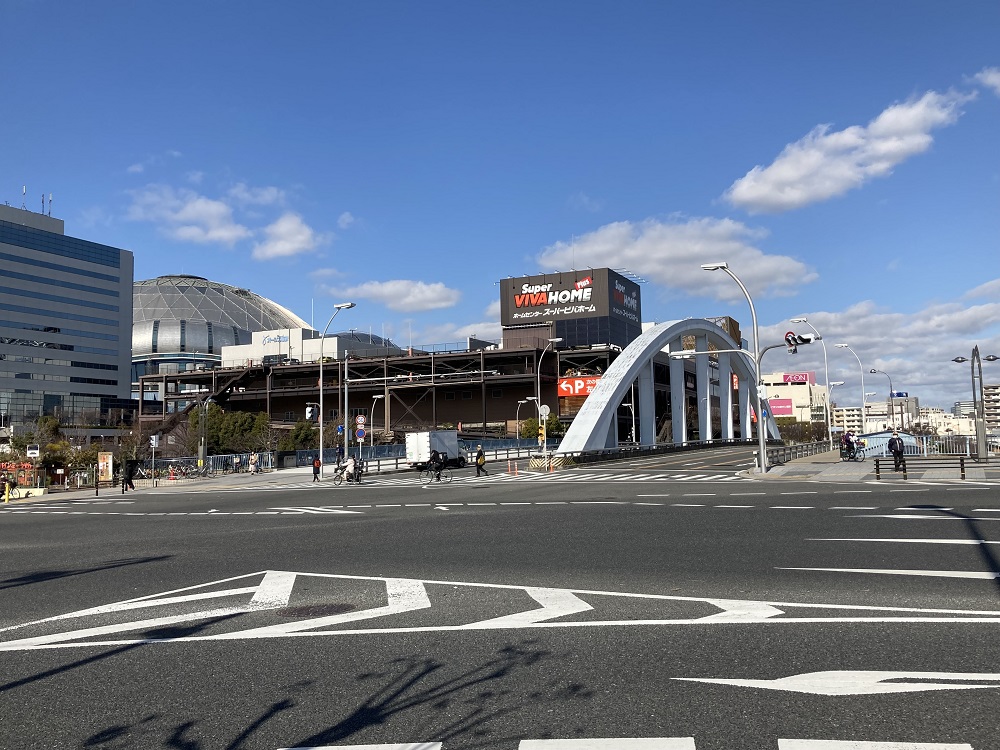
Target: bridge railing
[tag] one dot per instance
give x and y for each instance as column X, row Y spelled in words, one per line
column 785, row 453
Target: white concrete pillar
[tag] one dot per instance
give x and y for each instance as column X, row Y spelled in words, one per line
column 746, row 421
column 726, row 395
column 647, row 405
column 702, row 376
column 677, row 416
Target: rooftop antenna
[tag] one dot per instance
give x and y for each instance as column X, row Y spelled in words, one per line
column 43, row 204
column 50, row 204
column 24, row 192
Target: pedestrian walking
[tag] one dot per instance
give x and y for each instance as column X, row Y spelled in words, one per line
column 340, row 454
column 129, row 474
column 316, row 464
column 254, row 459
column 895, row 446
column 481, row 461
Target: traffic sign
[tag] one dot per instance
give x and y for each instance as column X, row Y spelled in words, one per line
column 360, row 419
column 340, row 429
column 544, row 410
column 360, row 434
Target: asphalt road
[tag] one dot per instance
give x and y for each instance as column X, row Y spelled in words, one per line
column 677, row 604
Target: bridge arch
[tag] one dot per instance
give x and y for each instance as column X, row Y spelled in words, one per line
column 595, row 426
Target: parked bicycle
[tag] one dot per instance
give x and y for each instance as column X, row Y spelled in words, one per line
column 13, row 491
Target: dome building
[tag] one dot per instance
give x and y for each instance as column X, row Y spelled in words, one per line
column 181, row 323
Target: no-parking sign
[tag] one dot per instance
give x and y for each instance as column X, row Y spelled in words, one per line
column 360, row 434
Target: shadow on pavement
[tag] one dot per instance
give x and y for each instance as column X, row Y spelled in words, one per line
column 51, row 575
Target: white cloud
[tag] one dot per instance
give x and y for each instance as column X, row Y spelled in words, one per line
column 914, row 348
column 185, row 215
column 136, row 169
column 404, row 295
column 825, row 163
column 583, row 202
column 492, row 311
column 485, row 330
column 989, row 77
column 670, row 253
column 251, row 196
column 345, row 220
column 287, row 236
column 194, row 177
column 989, row 290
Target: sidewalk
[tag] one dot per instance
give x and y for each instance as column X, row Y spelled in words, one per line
column 828, row 467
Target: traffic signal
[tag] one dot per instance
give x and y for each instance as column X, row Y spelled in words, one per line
column 312, row 413
column 541, row 432
column 794, row 341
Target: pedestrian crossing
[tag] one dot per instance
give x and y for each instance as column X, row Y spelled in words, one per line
column 413, row 480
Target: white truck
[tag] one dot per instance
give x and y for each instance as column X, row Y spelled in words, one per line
column 420, row 444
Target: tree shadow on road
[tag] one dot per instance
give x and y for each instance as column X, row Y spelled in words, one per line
column 430, row 702
column 982, row 545
column 42, row 576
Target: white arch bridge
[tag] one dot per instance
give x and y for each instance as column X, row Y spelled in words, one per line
column 595, row 426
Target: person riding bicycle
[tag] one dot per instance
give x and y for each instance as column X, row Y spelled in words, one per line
column 437, row 463
column 350, row 469
column 850, row 444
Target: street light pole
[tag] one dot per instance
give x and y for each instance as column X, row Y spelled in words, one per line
column 826, row 372
column 517, row 416
column 978, row 399
column 538, row 393
column 829, row 399
column 337, row 308
column 371, row 427
column 845, row 346
column 892, row 407
column 761, row 420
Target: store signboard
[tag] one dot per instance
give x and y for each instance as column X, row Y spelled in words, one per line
column 581, row 386
column 105, row 466
column 591, row 293
column 781, row 407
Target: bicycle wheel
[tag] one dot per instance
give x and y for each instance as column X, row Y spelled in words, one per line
column 426, row 476
column 446, row 475
column 338, row 478
column 860, row 455
column 14, row 493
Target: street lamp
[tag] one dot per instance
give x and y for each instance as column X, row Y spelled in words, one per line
column 517, row 416
column 826, row 370
column 761, row 421
column 829, row 398
column 203, row 432
column 371, row 427
column 892, row 406
column 864, row 410
column 845, row 346
column 538, row 392
column 336, row 309
column 978, row 399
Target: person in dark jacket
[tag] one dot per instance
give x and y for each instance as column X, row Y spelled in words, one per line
column 131, row 466
column 481, row 461
column 895, row 446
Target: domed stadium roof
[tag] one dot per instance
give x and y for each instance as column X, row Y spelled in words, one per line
column 191, row 314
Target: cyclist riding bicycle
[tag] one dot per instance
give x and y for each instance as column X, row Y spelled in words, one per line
column 437, row 463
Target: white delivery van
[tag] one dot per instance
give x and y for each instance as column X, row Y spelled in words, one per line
column 420, row 444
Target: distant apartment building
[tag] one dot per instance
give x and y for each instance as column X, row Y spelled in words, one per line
column 65, row 325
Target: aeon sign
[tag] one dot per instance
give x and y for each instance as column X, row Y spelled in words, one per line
column 799, row 377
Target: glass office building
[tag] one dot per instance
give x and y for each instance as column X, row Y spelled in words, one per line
column 65, row 325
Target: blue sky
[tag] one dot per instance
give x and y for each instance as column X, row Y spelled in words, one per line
column 844, row 158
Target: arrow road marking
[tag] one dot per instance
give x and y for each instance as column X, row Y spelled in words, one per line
column 555, row 603
column 863, row 683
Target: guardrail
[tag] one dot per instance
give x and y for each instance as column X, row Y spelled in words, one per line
column 787, row 453
column 935, row 462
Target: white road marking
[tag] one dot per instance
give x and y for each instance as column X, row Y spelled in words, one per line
column 913, row 517
column 555, row 603
column 734, row 506
column 862, row 683
column 611, row 743
column 910, row 507
column 404, row 746
column 862, row 745
column 976, row 574
column 910, row 541
column 317, row 509
column 853, row 507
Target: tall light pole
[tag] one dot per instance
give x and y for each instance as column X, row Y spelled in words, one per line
column 761, row 420
column 829, row 400
column 517, row 416
column 892, row 408
column 978, row 399
column 864, row 410
column 371, row 427
column 845, row 346
column 336, row 309
column 826, row 374
column 538, row 392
